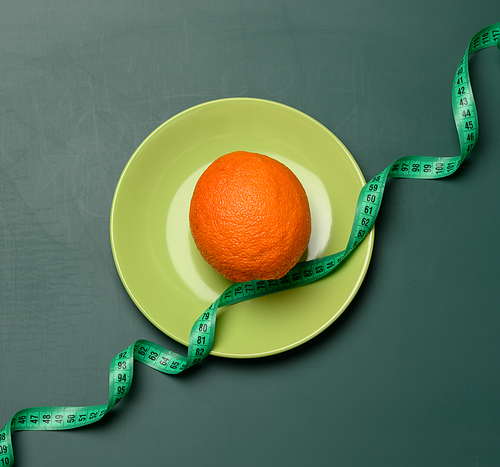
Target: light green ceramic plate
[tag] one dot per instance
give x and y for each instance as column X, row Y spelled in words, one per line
column 158, row 262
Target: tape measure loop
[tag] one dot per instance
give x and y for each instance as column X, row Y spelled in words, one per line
column 203, row 331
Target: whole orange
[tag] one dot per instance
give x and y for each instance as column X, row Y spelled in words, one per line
column 249, row 217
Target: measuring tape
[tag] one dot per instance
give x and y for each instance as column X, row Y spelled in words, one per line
column 202, row 333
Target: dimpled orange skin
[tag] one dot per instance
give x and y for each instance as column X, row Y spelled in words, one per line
column 249, row 217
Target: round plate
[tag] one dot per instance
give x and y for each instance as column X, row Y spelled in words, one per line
column 155, row 255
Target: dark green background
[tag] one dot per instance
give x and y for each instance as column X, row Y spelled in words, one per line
column 408, row 376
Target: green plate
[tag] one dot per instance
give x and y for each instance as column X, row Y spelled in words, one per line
column 155, row 255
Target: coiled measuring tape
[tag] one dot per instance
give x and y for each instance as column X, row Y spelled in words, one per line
column 203, row 331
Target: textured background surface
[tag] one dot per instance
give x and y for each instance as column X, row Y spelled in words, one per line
column 408, row 376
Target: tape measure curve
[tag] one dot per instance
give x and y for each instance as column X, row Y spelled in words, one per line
column 203, row 330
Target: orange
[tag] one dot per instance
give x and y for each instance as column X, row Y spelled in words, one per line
column 249, row 217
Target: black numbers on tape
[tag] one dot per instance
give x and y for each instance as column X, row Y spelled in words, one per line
column 202, row 333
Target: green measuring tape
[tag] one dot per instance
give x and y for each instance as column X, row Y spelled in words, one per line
column 203, row 331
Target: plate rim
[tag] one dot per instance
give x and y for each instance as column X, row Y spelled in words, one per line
column 369, row 238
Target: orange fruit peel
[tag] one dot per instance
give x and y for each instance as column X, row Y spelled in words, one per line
column 249, row 217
